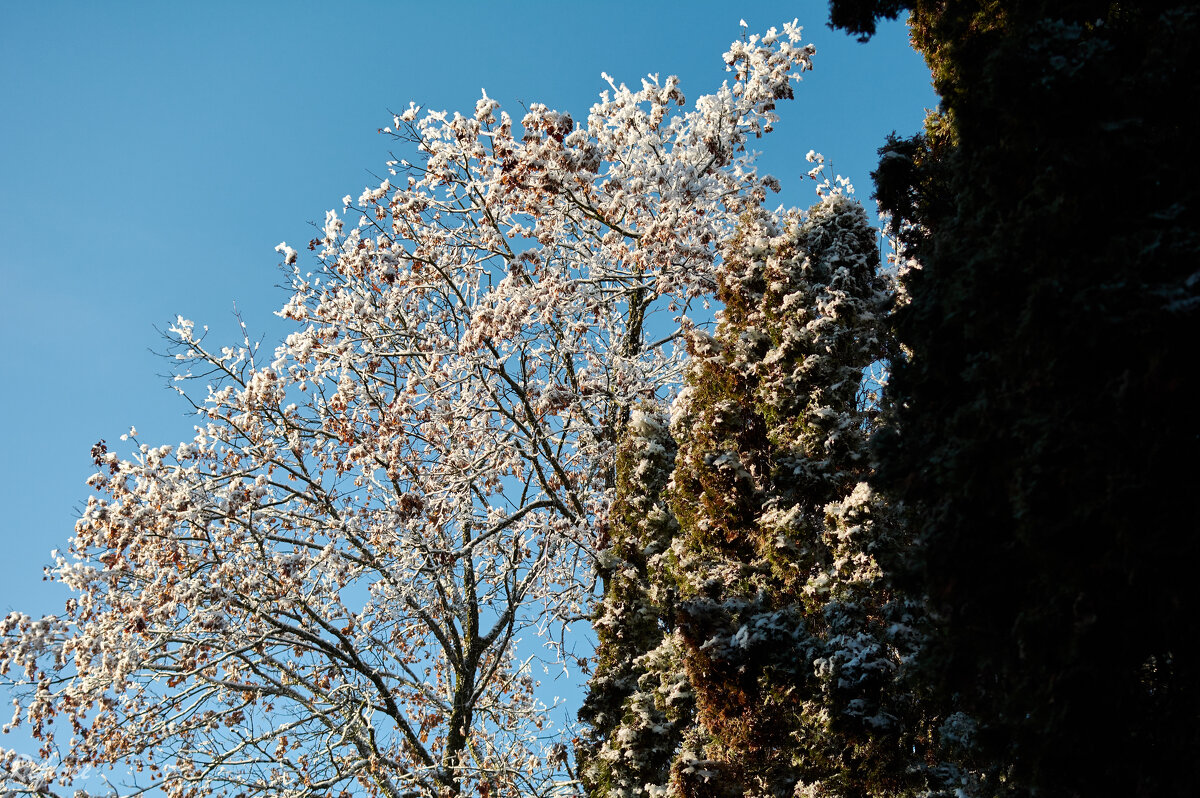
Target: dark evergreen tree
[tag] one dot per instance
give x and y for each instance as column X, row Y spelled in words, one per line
column 1041, row 441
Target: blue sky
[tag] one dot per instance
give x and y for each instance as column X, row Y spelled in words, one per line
column 153, row 154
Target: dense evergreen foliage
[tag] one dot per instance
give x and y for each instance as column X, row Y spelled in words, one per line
column 1041, row 441
column 639, row 701
column 775, row 616
column 791, row 641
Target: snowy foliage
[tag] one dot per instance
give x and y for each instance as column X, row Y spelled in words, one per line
column 640, row 702
column 323, row 590
column 793, row 641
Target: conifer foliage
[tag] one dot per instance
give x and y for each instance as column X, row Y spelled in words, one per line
column 640, row 701
column 792, row 643
column 784, row 622
column 1037, row 440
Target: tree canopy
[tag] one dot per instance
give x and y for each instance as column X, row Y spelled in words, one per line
column 326, row 588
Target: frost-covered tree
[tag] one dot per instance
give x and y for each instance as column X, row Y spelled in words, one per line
column 323, row 592
column 639, row 703
column 793, row 642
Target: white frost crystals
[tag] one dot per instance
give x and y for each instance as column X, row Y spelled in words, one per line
column 289, row 254
column 324, row 589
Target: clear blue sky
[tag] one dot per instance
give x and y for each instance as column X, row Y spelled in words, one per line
column 152, row 154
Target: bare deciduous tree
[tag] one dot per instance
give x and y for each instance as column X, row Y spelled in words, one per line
column 324, row 590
